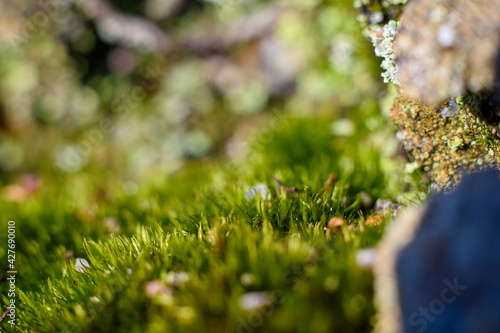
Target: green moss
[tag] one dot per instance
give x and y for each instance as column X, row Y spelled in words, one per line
column 446, row 147
column 199, row 223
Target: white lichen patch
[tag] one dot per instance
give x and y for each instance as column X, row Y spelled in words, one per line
column 383, row 39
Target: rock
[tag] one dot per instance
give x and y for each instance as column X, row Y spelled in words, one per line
column 385, row 206
column 444, row 56
column 460, row 135
column 445, row 48
column 437, row 267
column 81, row 265
column 450, row 109
column 335, row 223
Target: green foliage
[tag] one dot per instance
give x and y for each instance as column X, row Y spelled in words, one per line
column 201, row 225
column 194, row 180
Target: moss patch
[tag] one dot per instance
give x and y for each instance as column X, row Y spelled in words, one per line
column 445, row 146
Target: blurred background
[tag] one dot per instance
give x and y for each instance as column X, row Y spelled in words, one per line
column 139, row 87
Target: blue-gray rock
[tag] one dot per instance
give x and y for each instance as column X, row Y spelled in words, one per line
column 438, row 269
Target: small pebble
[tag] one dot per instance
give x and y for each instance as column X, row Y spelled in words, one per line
column 255, row 300
column 335, row 222
column 450, row 110
column 384, row 206
column 81, row 264
column 366, row 258
column 252, row 192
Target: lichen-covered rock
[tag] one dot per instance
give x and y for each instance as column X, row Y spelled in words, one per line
column 461, row 134
column 436, row 48
column 437, row 267
column 445, row 48
column 434, row 51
